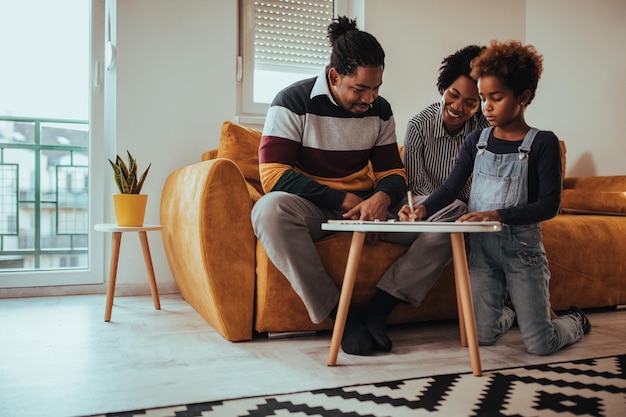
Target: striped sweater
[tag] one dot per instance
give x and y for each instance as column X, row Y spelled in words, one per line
column 314, row 148
column 430, row 152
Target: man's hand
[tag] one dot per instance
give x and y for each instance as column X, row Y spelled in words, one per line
column 374, row 208
column 350, row 201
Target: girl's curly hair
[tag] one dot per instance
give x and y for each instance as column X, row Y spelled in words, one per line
column 517, row 66
column 352, row 48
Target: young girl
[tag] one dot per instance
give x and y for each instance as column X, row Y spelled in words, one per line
column 516, row 179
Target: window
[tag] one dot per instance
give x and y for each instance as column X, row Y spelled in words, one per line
column 282, row 41
column 48, row 133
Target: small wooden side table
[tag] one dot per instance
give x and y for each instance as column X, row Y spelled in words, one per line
column 465, row 306
column 115, row 254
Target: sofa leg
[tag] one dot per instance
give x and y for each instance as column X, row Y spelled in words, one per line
column 284, row 335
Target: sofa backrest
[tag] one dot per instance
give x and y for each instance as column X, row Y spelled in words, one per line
column 563, row 158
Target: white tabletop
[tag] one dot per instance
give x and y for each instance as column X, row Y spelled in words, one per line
column 397, row 226
column 112, row 227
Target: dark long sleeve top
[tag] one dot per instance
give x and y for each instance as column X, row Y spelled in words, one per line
column 544, row 178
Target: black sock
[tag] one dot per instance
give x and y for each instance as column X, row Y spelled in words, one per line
column 375, row 318
column 333, row 313
column 356, row 339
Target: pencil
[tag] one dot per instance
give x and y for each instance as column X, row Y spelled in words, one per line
column 409, row 197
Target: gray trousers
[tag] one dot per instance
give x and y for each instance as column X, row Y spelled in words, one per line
column 413, row 274
column 288, row 227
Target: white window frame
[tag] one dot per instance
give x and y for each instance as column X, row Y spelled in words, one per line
column 248, row 110
column 93, row 274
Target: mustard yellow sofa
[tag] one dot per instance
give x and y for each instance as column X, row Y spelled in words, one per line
column 224, row 273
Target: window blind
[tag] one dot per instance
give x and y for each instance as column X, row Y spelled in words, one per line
column 291, row 34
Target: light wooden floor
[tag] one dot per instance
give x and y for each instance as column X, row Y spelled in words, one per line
column 59, row 358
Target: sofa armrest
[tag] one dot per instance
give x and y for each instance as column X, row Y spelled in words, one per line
column 608, row 183
column 210, row 245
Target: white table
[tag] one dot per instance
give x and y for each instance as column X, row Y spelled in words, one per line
column 465, row 306
column 115, row 254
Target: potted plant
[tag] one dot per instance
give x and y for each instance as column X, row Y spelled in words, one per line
column 129, row 204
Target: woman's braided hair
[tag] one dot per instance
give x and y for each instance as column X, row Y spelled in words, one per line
column 352, row 48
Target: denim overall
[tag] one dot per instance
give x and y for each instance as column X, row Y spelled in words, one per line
column 513, row 259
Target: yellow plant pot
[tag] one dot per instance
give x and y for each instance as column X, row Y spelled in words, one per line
column 130, row 209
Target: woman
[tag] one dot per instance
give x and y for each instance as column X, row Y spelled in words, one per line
column 432, row 141
column 435, row 134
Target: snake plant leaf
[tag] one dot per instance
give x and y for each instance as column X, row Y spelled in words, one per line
column 132, row 180
column 142, row 179
column 132, row 173
column 118, row 176
column 120, row 163
column 125, row 175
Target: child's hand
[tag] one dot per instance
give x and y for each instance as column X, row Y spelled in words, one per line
column 481, row 216
column 406, row 214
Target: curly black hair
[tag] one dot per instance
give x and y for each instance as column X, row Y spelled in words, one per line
column 455, row 65
column 352, row 48
column 517, row 66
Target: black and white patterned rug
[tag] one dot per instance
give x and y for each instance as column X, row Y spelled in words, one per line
column 590, row 387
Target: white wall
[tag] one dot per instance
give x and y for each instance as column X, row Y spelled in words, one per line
column 175, row 82
column 582, row 94
column 175, row 85
column 417, row 34
column 176, row 78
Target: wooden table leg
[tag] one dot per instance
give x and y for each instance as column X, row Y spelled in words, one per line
column 461, row 273
column 347, row 286
column 150, row 269
column 115, row 255
column 459, row 307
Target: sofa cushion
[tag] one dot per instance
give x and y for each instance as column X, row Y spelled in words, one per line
column 241, row 145
column 585, row 258
column 593, row 202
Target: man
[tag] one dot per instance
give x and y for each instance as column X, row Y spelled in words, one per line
column 319, row 136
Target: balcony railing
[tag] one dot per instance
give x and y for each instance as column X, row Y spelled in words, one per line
column 44, row 193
